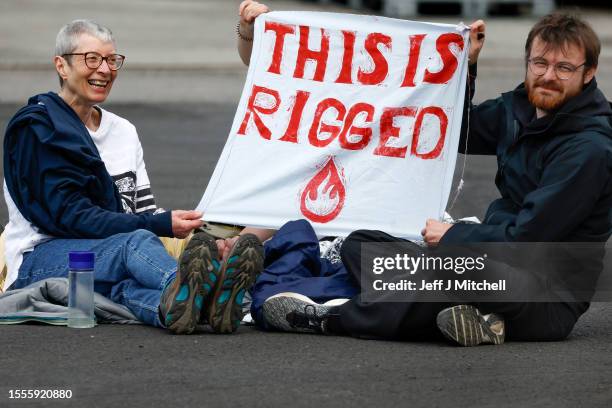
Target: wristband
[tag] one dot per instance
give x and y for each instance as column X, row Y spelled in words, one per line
column 242, row 37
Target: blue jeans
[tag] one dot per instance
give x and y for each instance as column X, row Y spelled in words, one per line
column 131, row 269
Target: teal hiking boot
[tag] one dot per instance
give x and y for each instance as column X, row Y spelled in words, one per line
column 235, row 278
column 182, row 301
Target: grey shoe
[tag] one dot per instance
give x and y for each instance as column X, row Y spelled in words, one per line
column 183, row 300
column 237, row 275
column 466, row 326
column 293, row 312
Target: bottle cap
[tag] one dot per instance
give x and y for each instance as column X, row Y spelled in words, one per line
column 81, row 260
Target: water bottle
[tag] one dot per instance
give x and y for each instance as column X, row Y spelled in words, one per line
column 81, row 290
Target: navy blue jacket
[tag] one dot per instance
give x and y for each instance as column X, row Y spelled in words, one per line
column 57, row 179
column 554, row 173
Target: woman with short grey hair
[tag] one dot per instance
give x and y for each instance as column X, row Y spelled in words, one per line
column 76, row 181
column 67, row 38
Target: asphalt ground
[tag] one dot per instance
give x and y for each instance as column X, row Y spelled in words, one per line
column 180, row 89
column 139, row 366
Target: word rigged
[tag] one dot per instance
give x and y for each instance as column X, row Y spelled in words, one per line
column 266, row 101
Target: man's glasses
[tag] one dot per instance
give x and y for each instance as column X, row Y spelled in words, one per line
column 93, row 60
column 563, row 70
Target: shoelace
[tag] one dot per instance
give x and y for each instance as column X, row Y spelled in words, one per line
column 308, row 319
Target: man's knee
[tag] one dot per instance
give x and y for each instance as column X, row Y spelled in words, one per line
column 563, row 332
column 351, row 247
column 352, row 244
column 560, row 331
column 356, row 238
column 553, row 327
column 544, row 333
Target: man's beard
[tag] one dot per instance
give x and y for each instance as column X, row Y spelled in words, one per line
column 549, row 103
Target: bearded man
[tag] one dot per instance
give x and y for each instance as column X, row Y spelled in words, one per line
column 553, row 139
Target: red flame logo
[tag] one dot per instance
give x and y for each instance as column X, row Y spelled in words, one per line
column 323, row 197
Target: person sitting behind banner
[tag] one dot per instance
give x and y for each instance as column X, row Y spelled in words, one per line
column 295, row 261
column 296, row 265
column 248, row 11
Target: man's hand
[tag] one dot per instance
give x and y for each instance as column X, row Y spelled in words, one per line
column 477, row 39
column 183, row 222
column 434, row 231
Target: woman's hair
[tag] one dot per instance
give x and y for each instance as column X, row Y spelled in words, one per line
column 68, row 36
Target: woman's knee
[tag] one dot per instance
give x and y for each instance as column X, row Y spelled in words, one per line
column 141, row 235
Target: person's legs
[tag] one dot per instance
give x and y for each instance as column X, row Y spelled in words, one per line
column 134, row 269
column 534, row 321
column 293, row 264
column 236, row 276
column 141, row 301
column 380, row 319
column 130, row 268
column 524, row 321
column 182, row 304
column 293, row 312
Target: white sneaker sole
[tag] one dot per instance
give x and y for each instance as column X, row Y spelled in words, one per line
column 466, row 326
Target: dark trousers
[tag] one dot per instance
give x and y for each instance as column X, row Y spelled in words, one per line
column 416, row 320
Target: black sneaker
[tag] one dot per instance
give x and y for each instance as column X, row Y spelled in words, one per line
column 293, row 312
column 465, row 325
column 237, row 275
column 183, row 300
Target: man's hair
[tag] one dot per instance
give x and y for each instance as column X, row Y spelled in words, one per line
column 558, row 30
column 68, row 36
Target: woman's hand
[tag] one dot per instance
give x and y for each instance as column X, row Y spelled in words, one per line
column 183, row 222
column 248, row 12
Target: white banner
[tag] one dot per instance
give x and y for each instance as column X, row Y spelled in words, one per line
column 351, row 122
